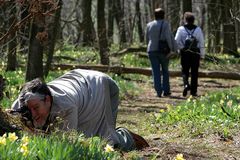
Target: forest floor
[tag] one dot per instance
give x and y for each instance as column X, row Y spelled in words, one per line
column 138, row 113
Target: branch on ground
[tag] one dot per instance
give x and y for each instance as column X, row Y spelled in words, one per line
column 141, row 52
column 146, row 71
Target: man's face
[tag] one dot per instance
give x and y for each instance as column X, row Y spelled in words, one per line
column 40, row 110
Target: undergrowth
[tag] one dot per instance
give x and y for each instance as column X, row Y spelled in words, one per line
column 59, row 147
column 214, row 113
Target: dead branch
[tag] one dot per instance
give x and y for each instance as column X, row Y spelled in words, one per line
column 130, row 49
column 35, row 10
column 16, row 26
column 146, row 71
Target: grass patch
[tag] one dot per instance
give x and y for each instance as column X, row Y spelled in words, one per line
column 66, row 146
column 215, row 113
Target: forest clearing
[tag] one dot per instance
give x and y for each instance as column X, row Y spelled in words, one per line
column 140, row 112
column 46, row 39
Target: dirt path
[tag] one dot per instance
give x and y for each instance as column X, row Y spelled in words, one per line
column 136, row 113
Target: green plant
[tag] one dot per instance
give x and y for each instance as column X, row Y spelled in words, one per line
column 126, row 87
column 132, row 60
column 67, row 146
column 215, row 113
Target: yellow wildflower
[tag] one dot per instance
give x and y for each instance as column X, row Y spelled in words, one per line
column 189, row 99
column 12, row 137
column 238, row 107
column 25, row 140
column 161, row 110
column 2, row 141
column 5, row 135
column 108, row 148
column 221, row 101
column 24, row 149
column 229, row 103
column 179, row 157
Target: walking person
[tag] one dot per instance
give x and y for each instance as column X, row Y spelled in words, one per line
column 190, row 41
column 159, row 30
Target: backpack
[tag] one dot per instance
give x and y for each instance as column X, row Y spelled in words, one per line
column 190, row 42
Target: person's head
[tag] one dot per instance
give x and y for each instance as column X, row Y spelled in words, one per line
column 189, row 18
column 36, row 96
column 159, row 13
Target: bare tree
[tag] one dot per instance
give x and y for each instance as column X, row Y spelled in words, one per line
column 102, row 33
column 229, row 30
column 35, row 53
column 87, row 23
column 186, row 6
column 172, row 13
column 119, row 9
column 38, row 37
column 54, row 28
column 214, row 26
column 2, row 86
column 110, row 21
column 12, row 44
column 130, row 19
column 139, row 21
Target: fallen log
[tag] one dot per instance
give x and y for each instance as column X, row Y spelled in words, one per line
column 146, row 71
column 130, row 49
column 142, row 52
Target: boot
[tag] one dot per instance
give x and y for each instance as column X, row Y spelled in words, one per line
column 185, row 90
column 186, row 86
column 140, row 142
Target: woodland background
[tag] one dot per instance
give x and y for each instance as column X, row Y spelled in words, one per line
column 35, row 29
column 43, row 38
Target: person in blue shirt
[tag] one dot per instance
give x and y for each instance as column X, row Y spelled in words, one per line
column 159, row 29
column 190, row 53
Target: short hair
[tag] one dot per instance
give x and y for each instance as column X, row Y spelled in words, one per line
column 189, row 17
column 159, row 13
column 34, row 86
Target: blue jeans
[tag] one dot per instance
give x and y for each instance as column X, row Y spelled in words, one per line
column 160, row 79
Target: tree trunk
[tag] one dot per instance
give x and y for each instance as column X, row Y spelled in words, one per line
column 110, row 21
column 12, row 44
column 147, row 12
column 186, row 6
column 152, row 5
column 102, row 33
column 88, row 29
column 3, row 27
column 173, row 12
column 2, row 86
column 35, row 54
column 12, row 49
column 229, row 31
column 130, row 19
column 53, row 32
column 237, row 21
column 214, row 26
column 24, row 31
column 119, row 8
column 139, row 22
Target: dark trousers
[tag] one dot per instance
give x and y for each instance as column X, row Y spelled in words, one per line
column 190, row 61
